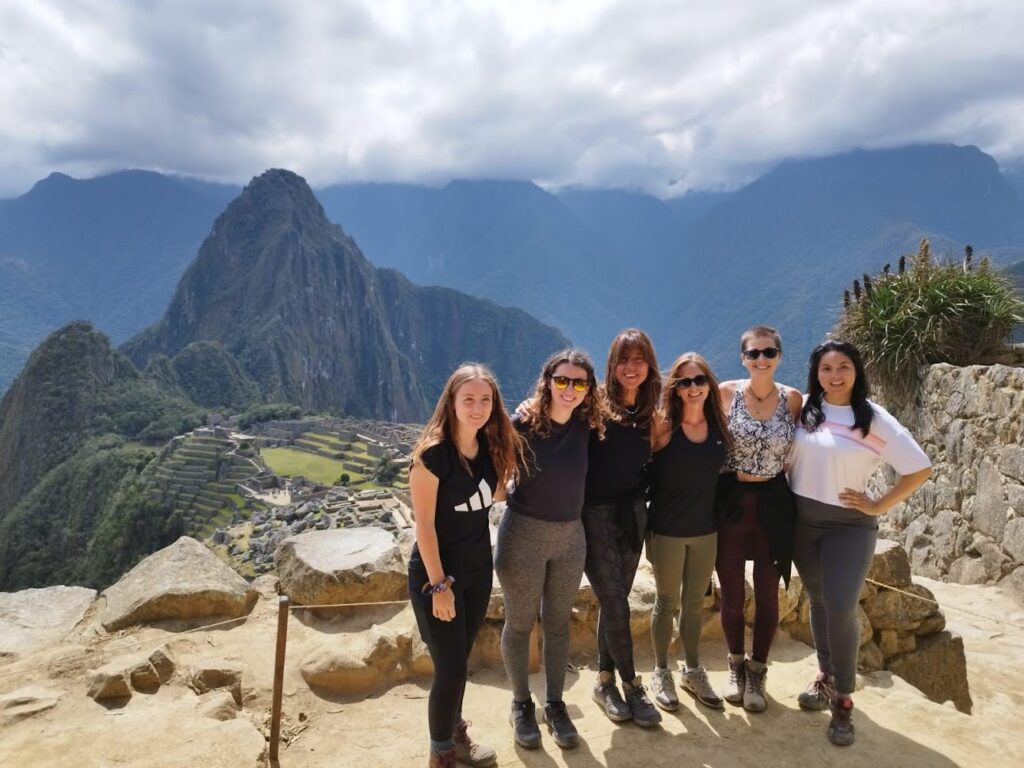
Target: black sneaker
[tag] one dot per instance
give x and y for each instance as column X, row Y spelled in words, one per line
column 644, row 713
column 840, row 729
column 523, row 718
column 564, row 732
column 607, row 695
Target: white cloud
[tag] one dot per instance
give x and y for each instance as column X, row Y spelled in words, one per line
column 632, row 93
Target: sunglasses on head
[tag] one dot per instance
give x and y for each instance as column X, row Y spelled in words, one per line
column 769, row 352
column 561, row 382
column 686, row 382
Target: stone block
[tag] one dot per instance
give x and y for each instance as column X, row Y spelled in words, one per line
column 895, row 610
column 1013, row 584
column 109, row 682
column 1013, row 539
column 931, row 625
column 938, row 668
column 989, row 502
column 890, row 564
column 968, row 570
column 892, row 643
column 1011, row 462
column 869, row 658
column 210, row 674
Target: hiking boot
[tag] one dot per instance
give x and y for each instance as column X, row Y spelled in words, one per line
column 664, row 689
column 819, row 693
column 840, row 729
column 564, row 732
column 753, row 691
column 644, row 713
column 444, row 759
column 695, row 681
column 468, row 751
column 523, row 718
column 733, row 692
column 606, row 693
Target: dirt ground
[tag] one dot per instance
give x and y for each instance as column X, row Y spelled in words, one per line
column 896, row 725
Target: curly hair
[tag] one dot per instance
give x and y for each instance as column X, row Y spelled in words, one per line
column 593, row 410
column 628, row 342
column 672, row 406
column 504, row 444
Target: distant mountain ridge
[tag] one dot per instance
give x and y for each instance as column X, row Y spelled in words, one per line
column 694, row 271
column 292, row 298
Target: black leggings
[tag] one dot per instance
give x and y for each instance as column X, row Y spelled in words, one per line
column 449, row 643
column 610, row 568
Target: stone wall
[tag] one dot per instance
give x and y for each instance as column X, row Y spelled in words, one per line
column 966, row 524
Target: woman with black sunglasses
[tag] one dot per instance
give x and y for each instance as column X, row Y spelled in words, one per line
column 541, row 547
column 757, row 508
column 690, row 446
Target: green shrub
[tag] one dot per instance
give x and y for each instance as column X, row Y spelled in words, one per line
column 952, row 312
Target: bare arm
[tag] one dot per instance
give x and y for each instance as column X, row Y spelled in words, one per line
column 795, row 401
column 661, row 429
column 423, row 486
column 904, row 487
column 728, row 392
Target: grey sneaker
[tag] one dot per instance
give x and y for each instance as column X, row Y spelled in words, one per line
column 606, row 693
column 840, row 729
column 753, row 691
column 737, row 679
column 643, row 711
column 819, row 693
column 695, row 681
column 664, row 689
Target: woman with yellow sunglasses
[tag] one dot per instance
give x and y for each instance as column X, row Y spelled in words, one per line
column 541, row 547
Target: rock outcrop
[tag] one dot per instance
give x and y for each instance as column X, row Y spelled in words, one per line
column 33, row 618
column 966, row 524
column 26, row 702
column 346, row 565
column 144, row 673
column 182, row 581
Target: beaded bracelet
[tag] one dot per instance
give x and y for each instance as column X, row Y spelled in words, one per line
column 441, row 586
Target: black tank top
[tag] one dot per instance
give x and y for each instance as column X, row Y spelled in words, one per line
column 616, row 464
column 683, row 479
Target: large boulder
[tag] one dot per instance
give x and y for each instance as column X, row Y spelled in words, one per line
column 895, row 610
column 890, row 564
column 34, row 618
column 938, row 668
column 182, row 581
column 345, row 565
column 356, row 662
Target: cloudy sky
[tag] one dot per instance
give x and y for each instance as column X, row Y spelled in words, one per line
column 663, row 96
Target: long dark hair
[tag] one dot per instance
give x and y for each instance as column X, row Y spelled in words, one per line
column 592, row 409
column 623, row 345
column 504, row 444
column 812, row 416
column 714, row 413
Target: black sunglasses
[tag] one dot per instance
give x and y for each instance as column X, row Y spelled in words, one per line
column 561, row 382
column 769, row 352
column 697, row 381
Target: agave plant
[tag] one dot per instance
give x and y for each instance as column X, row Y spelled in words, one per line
column 931, row 313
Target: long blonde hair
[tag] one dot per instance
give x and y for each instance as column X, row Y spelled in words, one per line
column 504, row 444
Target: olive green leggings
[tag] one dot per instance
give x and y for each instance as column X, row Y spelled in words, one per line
column 682, row 570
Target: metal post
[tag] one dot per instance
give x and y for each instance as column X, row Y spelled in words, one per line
column 275, row 709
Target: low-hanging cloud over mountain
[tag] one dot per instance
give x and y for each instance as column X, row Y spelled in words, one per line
column 664, row 96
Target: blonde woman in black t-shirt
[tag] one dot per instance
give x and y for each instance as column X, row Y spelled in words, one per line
column 469, row 450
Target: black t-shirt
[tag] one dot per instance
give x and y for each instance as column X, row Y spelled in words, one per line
column 684, row 475
column 551, row 487
column 616, row 463
column 463, row 503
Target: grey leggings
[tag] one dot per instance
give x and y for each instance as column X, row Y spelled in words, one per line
column 539, row 565
column 682, row 570
column 832, row 550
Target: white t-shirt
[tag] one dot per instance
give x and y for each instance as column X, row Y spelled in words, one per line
column 835, row 456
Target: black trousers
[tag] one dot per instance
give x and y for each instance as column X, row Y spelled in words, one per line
column 611, row 565
column 449, row 643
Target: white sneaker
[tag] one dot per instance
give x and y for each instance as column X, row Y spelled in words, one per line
column 695, row 681
column 664, row 689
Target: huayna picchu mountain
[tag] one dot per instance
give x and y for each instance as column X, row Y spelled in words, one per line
column 291, row 296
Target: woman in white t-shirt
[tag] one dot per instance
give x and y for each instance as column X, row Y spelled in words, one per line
column 841, row 439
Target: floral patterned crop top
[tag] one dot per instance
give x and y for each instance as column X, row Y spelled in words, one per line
column 759, row 447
